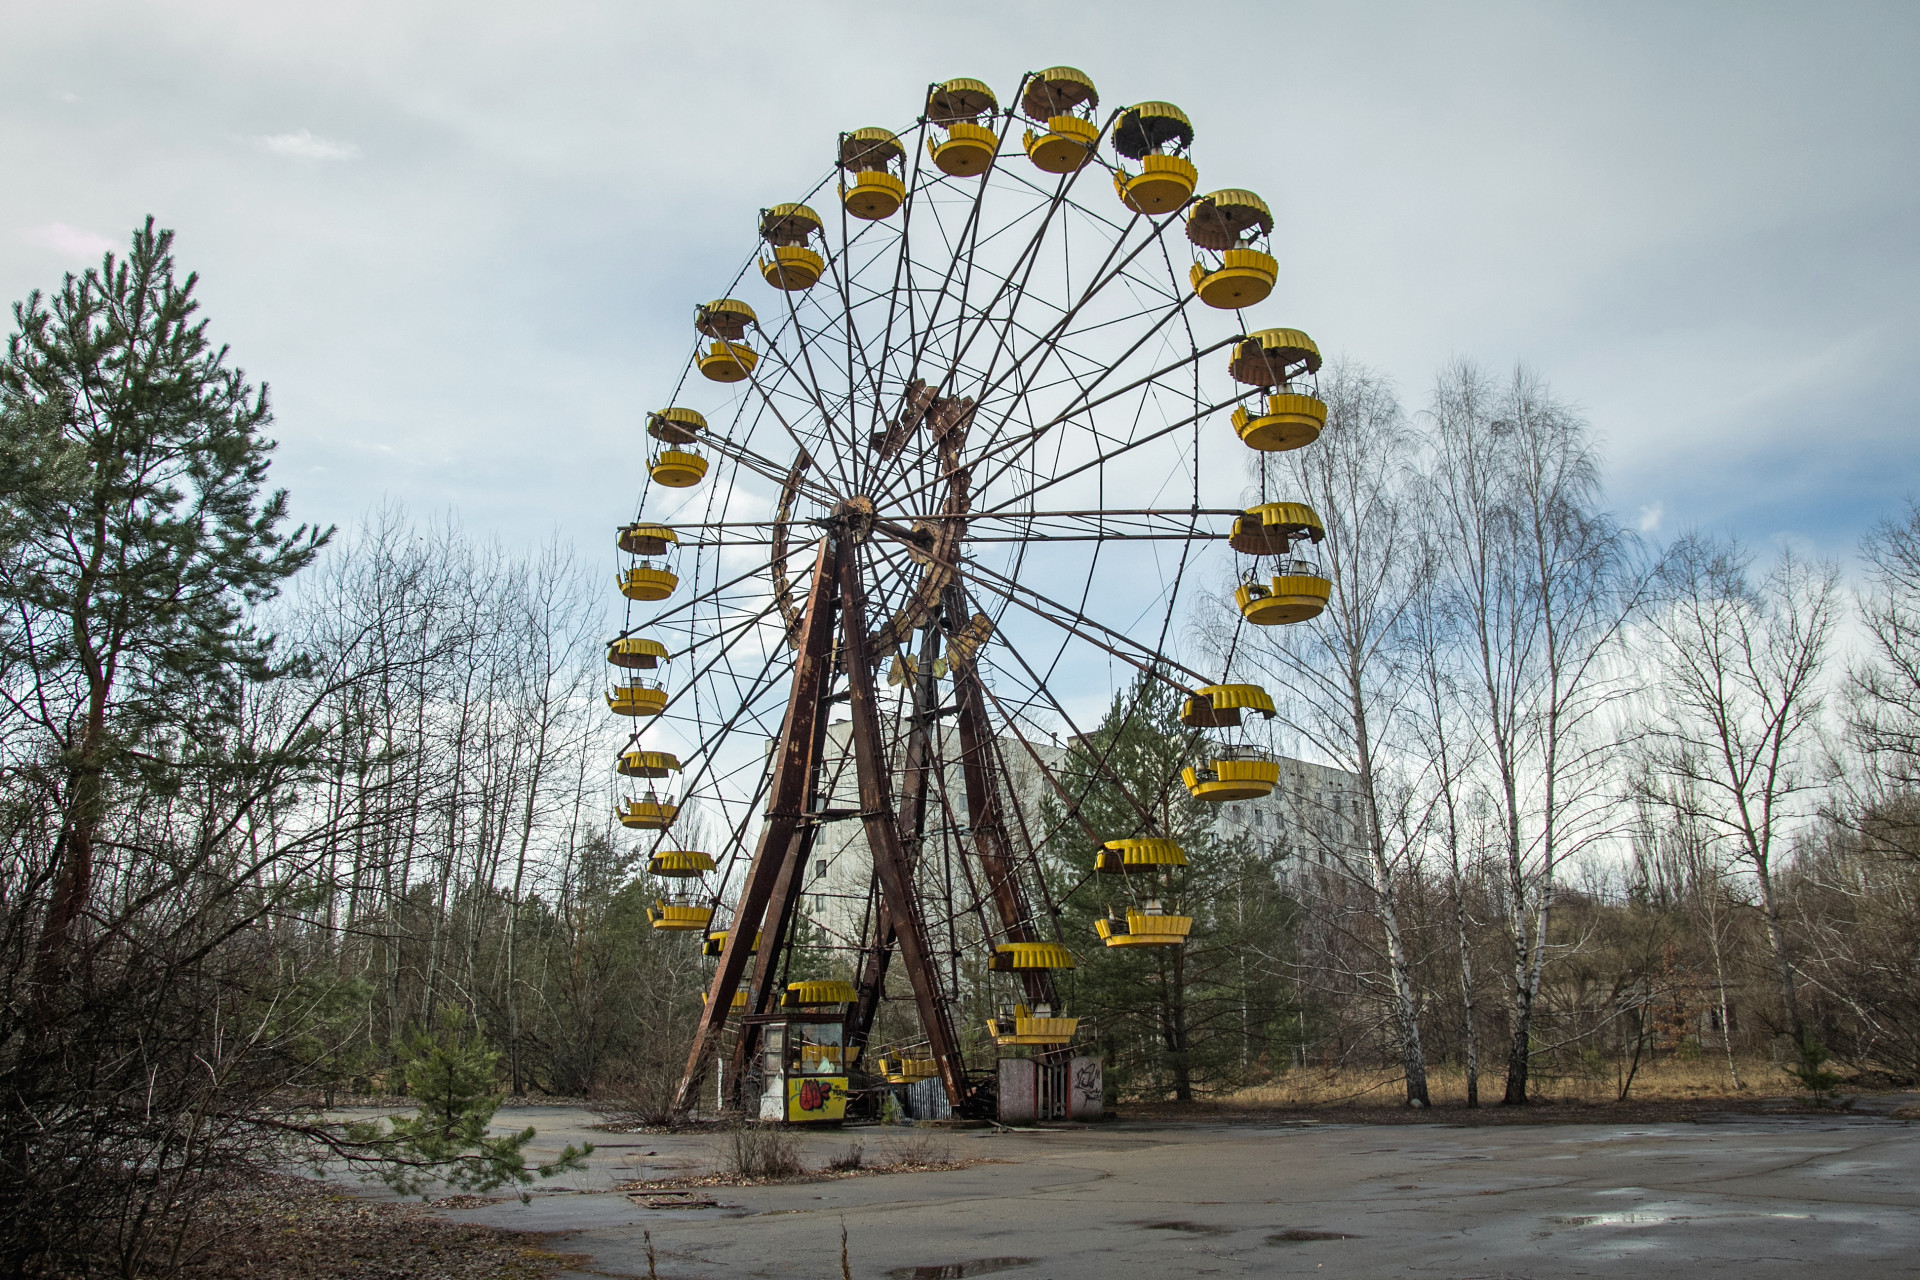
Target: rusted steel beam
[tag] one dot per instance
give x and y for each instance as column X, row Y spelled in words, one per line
column 915, row 776
column 883, row 833
column 795, row 762
column 984, row 816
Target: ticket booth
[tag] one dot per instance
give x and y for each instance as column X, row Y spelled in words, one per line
column 803, row 1056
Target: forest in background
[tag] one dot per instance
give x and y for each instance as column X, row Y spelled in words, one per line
column 275, row 801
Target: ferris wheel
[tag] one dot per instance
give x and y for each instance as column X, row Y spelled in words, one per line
column 945, row 467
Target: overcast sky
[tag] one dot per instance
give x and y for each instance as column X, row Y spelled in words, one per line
column 461, row 241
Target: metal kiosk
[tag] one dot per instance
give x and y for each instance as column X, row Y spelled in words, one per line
column 803, row 1057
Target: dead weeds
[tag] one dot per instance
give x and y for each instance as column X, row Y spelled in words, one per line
column 297, row 1229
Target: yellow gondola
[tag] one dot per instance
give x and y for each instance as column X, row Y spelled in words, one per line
column 1142, row 854
column 818, row 992
column 1055, row 96
column 969, row 148
column 739, row 1000
column 726, row 321
column 1272, row 528
column 787, row 229
column 1009, row 957
column 679, row 864
column 1238, row 773
column 675, row 426
column 650, row 813
column 1273, row 358
column 638, row 697
column 1290, row 420
column 647, row 539
column 647, row 764
column 1035, row 1027
column 636, row 653
column 1232, row 224
column 1149, row 928
column 678, row 917
column 1286, row 598
column 677, row 468
column 717, row 943
column 1156, row 134
column 1218, row 706
column 648, row 582
column 877, row 192
column 907, row 1070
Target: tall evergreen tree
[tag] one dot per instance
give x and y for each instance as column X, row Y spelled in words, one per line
column 138, row 533
column 1168, row 1018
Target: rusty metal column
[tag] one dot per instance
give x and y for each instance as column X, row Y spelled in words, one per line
column 871, row 983
column 984, row 820
column 883, row 833
column 793, row 768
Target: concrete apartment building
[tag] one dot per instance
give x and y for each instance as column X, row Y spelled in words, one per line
column 1312, row 812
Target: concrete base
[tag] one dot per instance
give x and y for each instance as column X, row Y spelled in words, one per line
column 1748, row 1197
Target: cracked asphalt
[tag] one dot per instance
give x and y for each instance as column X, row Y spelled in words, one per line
column 1740, row 1196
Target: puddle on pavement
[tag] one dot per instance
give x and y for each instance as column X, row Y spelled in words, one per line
column 959, row 1270
column 1192, row 1228
column 1294, row 1235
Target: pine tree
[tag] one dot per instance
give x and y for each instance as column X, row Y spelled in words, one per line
column 137, row 535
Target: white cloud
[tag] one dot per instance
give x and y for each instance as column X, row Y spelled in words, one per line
column 1650, row 517
column 306, row 145
column 70, row 242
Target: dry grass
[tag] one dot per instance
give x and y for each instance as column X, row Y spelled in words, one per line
column 1667, row 1080
column 274, row 1225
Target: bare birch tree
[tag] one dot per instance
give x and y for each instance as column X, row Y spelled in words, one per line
column 1737, row 724
column 1342, row 682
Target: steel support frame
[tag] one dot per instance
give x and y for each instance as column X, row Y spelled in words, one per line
column 796, row 767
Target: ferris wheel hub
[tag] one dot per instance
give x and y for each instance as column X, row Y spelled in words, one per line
column 853, row 518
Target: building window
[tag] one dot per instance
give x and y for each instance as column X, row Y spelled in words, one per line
column 819, row 868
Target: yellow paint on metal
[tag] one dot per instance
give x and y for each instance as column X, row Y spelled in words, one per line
column 1270, row 357
column 728, row 362
column 647, row 764
column 1219, row 706
column 675, row 426
column 1067, row 144
column 1219, row 220
column 820, row 991
column 811, row 1099
column 637, row 698
column 1272, row 528
column 1031, row 955
column 678, row 468
column 1056, row 91
column 717, row 942
column 789, row 224
column 636, row 652
column 652, row 815
column 1245, row 277
column 679, row 919
column 959, row 99
column 875, row 194
column 679, row 864
column 865, row 150
column 1145, row 929
column 793, row 267
column 724, row 318
column 1291, row 598
column 967, row 151
column 1232, row 780
column 647, row 539
column 644, row 582
column 1139, row 854
column 1162, row 186
column 1290, row 420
